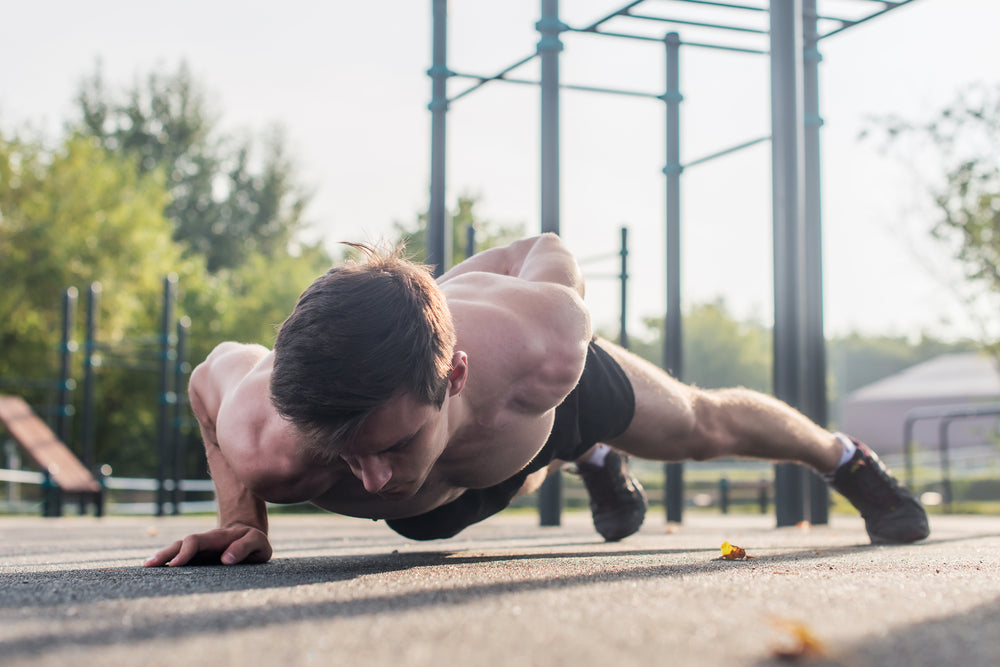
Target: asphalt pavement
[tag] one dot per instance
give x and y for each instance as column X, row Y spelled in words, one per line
column 506, row 592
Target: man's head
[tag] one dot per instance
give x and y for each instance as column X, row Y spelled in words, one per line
column 360, row 335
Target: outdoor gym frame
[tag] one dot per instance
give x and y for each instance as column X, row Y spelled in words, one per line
column 799, row 350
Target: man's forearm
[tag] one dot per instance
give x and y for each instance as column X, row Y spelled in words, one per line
column 237, row 504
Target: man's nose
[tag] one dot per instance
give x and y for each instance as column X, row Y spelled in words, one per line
column 373, row 471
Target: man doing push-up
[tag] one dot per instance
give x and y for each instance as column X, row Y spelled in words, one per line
column 431, row 404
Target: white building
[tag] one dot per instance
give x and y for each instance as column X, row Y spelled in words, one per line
column 876, row 414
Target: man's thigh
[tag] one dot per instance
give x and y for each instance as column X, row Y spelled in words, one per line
column 664, row 413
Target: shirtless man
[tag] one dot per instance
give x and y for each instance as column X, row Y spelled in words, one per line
column 431, row 405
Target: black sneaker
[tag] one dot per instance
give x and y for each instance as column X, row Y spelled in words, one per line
column 892, row 514
column 617, row 501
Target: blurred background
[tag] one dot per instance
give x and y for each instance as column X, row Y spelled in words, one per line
column 233, row 145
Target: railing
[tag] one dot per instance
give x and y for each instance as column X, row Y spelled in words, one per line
column 120, row 484
column 946, row 414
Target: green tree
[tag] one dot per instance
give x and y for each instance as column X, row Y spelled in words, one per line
column 719, row 351
column 487, row 234
column 963, row 139
column 262, row 292
column 229, row 196
column 70, row 217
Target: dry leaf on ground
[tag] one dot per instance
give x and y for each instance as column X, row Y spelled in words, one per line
column 804, row 642
column 733, row 552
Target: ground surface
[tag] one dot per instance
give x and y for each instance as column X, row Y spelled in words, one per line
column 506, row 592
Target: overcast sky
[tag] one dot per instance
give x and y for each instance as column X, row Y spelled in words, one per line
column 347, row 81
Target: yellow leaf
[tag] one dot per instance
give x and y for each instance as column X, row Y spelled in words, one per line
column 804, row 643
column 732, row 552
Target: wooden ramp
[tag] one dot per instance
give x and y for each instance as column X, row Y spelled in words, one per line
column 42, row 445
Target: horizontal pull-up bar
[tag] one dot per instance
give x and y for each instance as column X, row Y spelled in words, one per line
column 727, row 5
column 619, row 12
column 483, row 80
column 699, row 24
column 648, row 38
column 565, row 86
column 727, row 151
column 888, row 6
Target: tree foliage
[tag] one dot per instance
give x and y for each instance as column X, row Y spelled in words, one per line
column 719, row 351
column 487, row 234
column 229, row 196
column 71, row 217
column 963, row 141
column 722, row 351
column 141, row 186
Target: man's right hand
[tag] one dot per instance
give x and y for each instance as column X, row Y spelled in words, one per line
column 237, row 543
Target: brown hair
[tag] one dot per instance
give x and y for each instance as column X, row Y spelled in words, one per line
column 360, row 334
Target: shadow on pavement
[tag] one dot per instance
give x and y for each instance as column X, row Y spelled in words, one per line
column 960, row 639
column 54, row 593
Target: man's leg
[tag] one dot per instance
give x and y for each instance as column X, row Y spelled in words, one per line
column 676, row 422
column 617, row 500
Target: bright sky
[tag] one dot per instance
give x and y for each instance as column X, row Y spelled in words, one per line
column 347, row 81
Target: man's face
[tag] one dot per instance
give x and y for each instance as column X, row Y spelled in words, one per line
column 396, row 447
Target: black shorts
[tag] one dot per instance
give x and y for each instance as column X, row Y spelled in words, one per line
column 599, row 408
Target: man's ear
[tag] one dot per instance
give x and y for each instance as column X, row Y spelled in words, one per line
column 459, row 373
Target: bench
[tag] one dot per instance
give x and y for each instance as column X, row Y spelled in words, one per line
column 66, row 472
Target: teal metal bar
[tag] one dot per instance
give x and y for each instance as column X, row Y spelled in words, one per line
column 90, row 361
column 181, row 371
column 549, row 48
column 623, row 311
column 166, row 396
column 726, row 5
column 814, row 403
column 673, row 349
column 727, row 151
column 567, row 86
column 788, row 214
column 67, row 347
column 439, row 73
column 889, row 6
column 697, row 24
column 483, row 80
column 593, row 26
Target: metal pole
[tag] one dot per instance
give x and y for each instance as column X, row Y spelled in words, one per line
column 908, row 451
column 788, row 214
column 66, row 349
column 672, row 335
column 177, row 432
column 549, row 46
column 946, row 495
column 470, row 241
column 672, row 342
column 90, row 360
column 439, row 73
column 165, row 395
column 623, row 276
column 814, row 343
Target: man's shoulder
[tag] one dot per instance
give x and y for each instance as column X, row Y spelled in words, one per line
column 541, row 309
